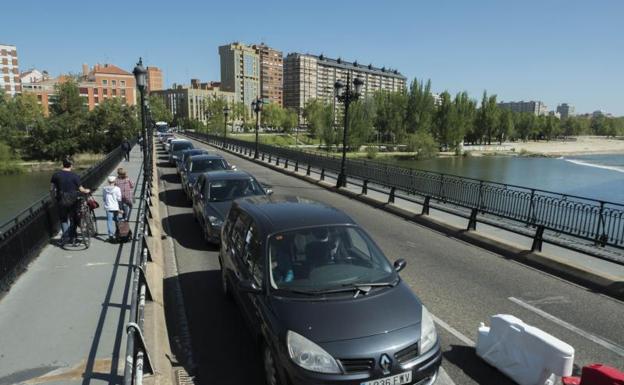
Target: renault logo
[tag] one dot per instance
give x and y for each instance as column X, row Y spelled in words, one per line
column 386, row 363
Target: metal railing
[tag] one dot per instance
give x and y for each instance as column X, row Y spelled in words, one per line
column 576, row 218
column 29, row 231
column 137, row 357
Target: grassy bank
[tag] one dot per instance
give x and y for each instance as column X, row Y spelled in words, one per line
column 283, row 140
column 81, row 162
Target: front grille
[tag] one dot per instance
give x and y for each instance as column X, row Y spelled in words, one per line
column 407, row 354
column 357, row 365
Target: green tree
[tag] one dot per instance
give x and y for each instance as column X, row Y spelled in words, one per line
column 272, row 115
column 465, row 112
column 158, row 109
column 551, row 127
column 505, row 127
column 289, row 120
column 487, row 118
column 390, row 113
column 443, row 130
column 420, row 107
column 361, row 118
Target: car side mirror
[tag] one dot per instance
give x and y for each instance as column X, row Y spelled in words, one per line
column 269, row 191
column 248, row 286
column 399, row 264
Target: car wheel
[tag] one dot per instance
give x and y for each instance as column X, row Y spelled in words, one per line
column 270, row 368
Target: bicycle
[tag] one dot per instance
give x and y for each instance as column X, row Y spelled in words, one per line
column 86, row 219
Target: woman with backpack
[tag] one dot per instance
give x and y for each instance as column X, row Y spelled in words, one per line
column 127, row 187
column 111, row 195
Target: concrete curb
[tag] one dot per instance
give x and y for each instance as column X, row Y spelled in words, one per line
column 155, row 329
column 597, row 281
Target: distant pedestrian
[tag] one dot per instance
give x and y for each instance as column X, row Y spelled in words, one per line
column 111, row 195
column 127, row 187
column 64, row 188
column 125, row 147
column 140, row 140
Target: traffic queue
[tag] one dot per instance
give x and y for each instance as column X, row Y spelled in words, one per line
column 312, row 285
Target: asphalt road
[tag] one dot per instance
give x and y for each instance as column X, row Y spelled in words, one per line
column 461, row 284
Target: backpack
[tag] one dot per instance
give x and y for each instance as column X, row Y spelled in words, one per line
column 68, row 198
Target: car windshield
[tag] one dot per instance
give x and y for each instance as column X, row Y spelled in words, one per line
column 203, row 165
column 182, row 146
column 320, row 259
column 229, row 189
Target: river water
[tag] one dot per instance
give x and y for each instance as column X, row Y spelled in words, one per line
column 593, row 176
column 18, row 192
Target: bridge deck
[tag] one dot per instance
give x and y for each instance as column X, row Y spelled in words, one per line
column 63, row 321
column 461, row 284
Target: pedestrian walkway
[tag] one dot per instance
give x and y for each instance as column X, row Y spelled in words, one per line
column 63, row 321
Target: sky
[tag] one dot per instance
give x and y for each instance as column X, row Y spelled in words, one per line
column 555, row 51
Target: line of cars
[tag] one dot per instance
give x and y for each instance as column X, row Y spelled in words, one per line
column 321, row 300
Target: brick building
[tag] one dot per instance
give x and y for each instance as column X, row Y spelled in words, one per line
column 154, row 79
column 102, row 82
column 271, row 74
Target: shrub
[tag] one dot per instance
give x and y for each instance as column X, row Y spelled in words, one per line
column 371, row 152
column 423, row 144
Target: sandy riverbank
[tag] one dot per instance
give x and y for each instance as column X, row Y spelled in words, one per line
column 582, row 145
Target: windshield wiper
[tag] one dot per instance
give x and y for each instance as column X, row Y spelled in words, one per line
column 357, row 286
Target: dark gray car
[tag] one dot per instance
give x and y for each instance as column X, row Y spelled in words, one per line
column 213, row 194
column 321, row 298
column 196, row 165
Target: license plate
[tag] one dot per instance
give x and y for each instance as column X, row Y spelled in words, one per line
column 397, row 379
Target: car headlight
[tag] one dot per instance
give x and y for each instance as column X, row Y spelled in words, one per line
column 175, row 157
column 215, row 221
column 428, row 335
column 309, row 355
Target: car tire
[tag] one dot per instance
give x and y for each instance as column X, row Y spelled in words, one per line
column 271, row 375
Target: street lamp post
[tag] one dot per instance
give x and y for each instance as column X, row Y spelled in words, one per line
column 140, row 75
column 346, row 94
column 226, row 112
column 257, row 107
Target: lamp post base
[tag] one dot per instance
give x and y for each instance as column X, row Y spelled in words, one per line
column 341, row 181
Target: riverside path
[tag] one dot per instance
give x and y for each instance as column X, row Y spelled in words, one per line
column 63, row 320
column 461, row 284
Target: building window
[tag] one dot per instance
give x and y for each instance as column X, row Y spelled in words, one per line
column 95, row 91
column 105, row 91
column 114, row 83
column 123, row 92
column 114, row 91
column 104, row 82
column 122, row 83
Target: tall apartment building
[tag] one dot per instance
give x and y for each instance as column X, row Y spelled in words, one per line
column 9, row 70
column 565, row 110
column 271, row 74
column 308, row 77
column 534, row 107
column 154, row 79
column 191, row 101
column 102, row 82
column 240, row 72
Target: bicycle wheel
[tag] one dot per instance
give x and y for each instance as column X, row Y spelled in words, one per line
column 93, row 224
column 85, row 230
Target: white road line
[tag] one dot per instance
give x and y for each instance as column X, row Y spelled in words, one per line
column 598, row 340
column 453, row 331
